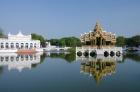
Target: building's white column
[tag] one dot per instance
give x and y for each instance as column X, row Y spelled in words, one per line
column 14, row 45
column 19, row 45
column 28, row 46
column 33, row 44
column 3, row 45
column 9, row 45
column 24, row 45
column 38, row 45
column 0, row 45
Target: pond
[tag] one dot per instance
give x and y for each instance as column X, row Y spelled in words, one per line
column 64, row 72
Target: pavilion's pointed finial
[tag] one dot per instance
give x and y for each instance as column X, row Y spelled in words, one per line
column 97, row 27
column 97, row 23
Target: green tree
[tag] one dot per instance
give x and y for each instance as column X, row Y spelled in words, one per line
column 39, row 37
column 133, row 41
column 1, row 32
column 62, row 42
column 68, row 57
column 66, row 41
column 54, row 42
column 120, row 41
column 136, row 40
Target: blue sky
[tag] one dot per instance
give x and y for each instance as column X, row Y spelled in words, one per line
column 60, row 18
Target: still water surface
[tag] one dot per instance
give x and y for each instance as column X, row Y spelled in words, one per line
column 59, row 72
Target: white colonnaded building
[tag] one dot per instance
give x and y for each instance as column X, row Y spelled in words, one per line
column 19, row 43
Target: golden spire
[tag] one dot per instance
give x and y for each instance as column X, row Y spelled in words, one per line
column 97, row 27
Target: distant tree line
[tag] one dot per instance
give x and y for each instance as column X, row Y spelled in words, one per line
column 73, row 41
column 130, row 42
column 66, row 41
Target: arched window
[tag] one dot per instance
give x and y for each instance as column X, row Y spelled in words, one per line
column 17, row 58
column 35, row 45
column 22, row 45
column 12, row 45
column 31, row 57
column 2, row 59
column 7, row 58
column 7, row 45
column 22, row 58
column 26, row 56
column 12, row 58
column 17, row 45
column 26, row 45
column 2, row 46
column 31, row 45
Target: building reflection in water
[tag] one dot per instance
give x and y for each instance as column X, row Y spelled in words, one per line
column 99, row 66
column 19, row 61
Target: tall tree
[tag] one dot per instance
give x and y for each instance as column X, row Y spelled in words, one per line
column 39, row 37
column 66, row 41
column 120, row 41
column 133, row 41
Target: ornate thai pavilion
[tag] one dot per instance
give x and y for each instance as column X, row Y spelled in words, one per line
column 98, row 41
column 98, row 38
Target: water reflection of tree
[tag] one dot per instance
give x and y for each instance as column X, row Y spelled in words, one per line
column 42, row 58
column 1, row 70
column 132, row 56
column 69, row 57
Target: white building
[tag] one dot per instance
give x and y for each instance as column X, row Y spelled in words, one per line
column 19, row 43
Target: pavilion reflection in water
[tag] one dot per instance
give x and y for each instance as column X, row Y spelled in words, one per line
column 19, row 61
column 99, row 66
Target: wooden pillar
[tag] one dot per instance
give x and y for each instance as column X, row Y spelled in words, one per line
column 100, row 41
column 91, row 42
column 95, row 41
column 103, row 42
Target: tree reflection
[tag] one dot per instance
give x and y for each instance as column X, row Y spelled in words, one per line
column 1, row 70
column 135, row 56
column 42, row 59
column 69, row 57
